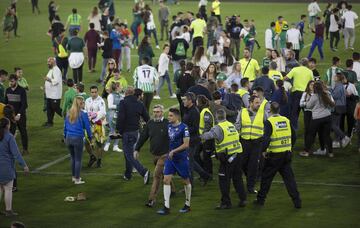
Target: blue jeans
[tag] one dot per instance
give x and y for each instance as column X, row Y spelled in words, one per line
column 318, row 42
column 153, row 31
column 110, row 117
column 72, row 28
column 75, row 145
column 103, row 69
column 161, row 83
column 129, row 140
column 134, row 30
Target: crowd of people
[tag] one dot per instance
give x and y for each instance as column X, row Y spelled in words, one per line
column 241, row 110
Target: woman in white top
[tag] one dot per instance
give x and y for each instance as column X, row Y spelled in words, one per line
column 163, row 69
column 150, row 25
column 95, row 18
column 280, row 61
column 334, row 29
column 200, row 59
column 313, row 10
column 186, row 34
column 214, row 53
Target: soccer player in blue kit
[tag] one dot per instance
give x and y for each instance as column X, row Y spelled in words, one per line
column 177, row 160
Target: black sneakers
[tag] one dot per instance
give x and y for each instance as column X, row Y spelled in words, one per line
column 150, row 203
column 98, row 163
column 91, row 161
column 164, row 211
column 223, row 207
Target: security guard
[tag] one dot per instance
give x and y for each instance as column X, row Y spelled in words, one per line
column 264, row 104
column 279, row 137
column 207, row 147
column 244, row 91
column 228, row 150
column 250, row 124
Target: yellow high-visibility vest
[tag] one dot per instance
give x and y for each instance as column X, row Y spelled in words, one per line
column 242, row 92
column 230, row 144
column 202, row 120
column 2, row 106
column 262, row 105
column 280, row 139
column 251, row 130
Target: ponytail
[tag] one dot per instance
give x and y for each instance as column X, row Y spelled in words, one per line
column 4, row 122
column 280, row 85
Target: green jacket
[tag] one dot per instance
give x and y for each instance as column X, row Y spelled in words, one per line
column 69, row 96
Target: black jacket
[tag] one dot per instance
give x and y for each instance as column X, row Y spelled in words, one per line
column 200, row 90
column 157, row 131
column 17, row 98
column 129, row 112
column 173, row 47
column 192, row 119
column 107, row 49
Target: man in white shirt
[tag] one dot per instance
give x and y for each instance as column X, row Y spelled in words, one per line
column 163, row 70
column 293, row 36
column 349, row 29
column 269, row 36
column 53, row 91
column 146, row 79
column 313, row 9
column 96, row 109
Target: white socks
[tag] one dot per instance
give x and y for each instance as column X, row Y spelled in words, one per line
column 187, row 194
column 167, row 193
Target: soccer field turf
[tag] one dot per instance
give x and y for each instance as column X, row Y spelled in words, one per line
column 330, row 188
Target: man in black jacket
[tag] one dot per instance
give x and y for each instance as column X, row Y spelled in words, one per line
column 16, row 97
column 129, row 112
column 192, row 119
column 233, row 28
column 157, row 131
column 178, row 49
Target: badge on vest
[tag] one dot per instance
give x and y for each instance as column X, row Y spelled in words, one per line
column 281, row 125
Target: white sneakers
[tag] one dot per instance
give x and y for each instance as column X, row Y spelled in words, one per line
column 156, row 97
column 335, row 144
column 106, row 147
column 320, row 152
column 77, row 181
column 117, row 149
column 173, row 95
column 345, row 141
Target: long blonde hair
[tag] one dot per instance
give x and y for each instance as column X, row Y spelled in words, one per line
column 75, row 109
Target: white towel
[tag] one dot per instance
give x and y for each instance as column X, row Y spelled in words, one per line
column 76, row 59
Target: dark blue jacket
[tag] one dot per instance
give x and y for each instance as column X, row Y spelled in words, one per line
column 267, row 84
column 129, row 112
column 77, row 128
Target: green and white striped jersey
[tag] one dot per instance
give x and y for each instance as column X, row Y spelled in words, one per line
column 146, row 78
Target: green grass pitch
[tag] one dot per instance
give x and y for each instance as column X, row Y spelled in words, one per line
column 330, row 188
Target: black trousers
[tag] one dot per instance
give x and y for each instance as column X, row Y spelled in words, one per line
column 16, row 23
column 349, row 116
column 148, row 97
column 63, row 64
column 197, row 41
column 278, row 162
column 297, row 54
column 77, row 74
column 52, row 107
column 34, row 4
column 227, row 172
column 321, row 126
column 21, row 125
column 334, row 36
column 207, row 149
column 295, row 108
column 181, row 105
column 250, row 160
column 202, row 11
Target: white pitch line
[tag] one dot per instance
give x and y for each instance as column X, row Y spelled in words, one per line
column 47, row 165
column 120, row 175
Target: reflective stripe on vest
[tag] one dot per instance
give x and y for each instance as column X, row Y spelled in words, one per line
column 242, row 92
column 280, row 139
column 252, row 130
column 202, row 120
column 230, row 143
